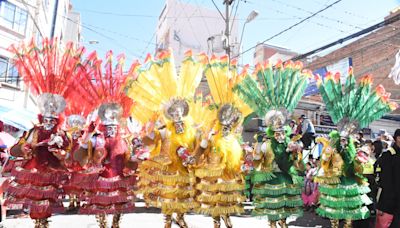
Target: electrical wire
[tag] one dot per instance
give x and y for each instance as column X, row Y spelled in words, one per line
column 290, row 27
column 320, row 16
column 234, row 15
column 219, row 11
column 102, row 35
column 33, row 19
column 116, row 33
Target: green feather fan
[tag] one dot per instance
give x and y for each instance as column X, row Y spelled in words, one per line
column 352, row 101
column 270, row 88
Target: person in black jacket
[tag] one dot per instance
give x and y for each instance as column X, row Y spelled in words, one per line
column 388, row 178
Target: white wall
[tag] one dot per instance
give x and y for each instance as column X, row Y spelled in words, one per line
column 73, row 28
column 42, row 11
column 193, row 25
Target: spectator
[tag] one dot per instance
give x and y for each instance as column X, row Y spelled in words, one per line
column 378, row 148
column 310, row 194
column 368, row 172
column 388, row 178
column 370, row 144
column 307, row 131
column 359, row 139
column 293, row 127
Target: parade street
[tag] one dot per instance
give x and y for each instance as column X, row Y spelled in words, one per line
column 149, row 217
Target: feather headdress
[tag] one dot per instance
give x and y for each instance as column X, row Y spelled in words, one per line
column 353, row 106
column 48, row 71
column 222, row 77
column 279, row 89
column 157, row 87
column 105, row 87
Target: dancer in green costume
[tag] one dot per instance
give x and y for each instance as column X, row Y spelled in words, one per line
column 274, row 93
column 342, row 186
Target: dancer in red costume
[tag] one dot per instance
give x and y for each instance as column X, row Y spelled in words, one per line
column 36, row 185
column 106, row 148
column 77, row 169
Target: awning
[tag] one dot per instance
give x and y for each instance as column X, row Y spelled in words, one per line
column 4, row 109
column 19, row 118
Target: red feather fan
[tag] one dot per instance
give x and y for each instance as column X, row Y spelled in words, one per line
column 103, row 86
column 47, row 69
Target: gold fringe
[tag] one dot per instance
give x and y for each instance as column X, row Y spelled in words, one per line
column 177, row 207
column 175, row 193
column 215, row 211
column 173, row 179
column 204, row 172
column 220, row 197
column 220, row 187
column 153, row 164
column 167, row 179
column 327, row 180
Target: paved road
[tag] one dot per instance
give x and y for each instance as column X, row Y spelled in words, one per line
column 151, row 218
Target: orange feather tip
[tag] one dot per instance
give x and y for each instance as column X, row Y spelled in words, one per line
column 244, row 71
column 382, row 94
column 279, row 64
column 213, row 59
column 148, row 58
column 298, row 65
column 188, row 53
column 380, row 90
column 257, row 67
column 318, row 78
column 367, row 79
column 308, row 73
column 328, row 76
column 393, row 106
column 164, row 55
column 337, row 77
column 267, row 64
column 288, row 64
column 224, row 59
column 202, row 58
column 234, row 62
column 350, row 71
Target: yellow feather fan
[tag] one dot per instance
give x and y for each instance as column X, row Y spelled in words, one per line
column 156, row 82
column 221, row 79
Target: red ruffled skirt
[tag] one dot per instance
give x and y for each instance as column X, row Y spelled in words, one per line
column 108, row 195
column 38, row 191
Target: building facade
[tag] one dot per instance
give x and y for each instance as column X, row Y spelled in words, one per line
column 272, row 53
column 183, row 26
column 21, row 21
column 372, row 54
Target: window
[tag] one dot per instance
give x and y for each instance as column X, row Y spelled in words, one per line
column 8, row 72
column 3, row 69
column 13, row 17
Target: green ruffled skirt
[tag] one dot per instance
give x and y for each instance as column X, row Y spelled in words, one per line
column 346, row 200
column 275, row 196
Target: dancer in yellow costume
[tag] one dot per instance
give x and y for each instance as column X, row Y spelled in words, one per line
column 167, row 174
column 221, row 182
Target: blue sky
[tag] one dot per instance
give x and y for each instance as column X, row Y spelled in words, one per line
column 128, row 26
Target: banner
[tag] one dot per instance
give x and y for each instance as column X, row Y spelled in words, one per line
column 326, row 120
column 342, row 66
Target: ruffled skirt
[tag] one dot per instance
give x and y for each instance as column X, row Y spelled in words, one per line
column 275, row 196
column 38, row 191
column 344, row 200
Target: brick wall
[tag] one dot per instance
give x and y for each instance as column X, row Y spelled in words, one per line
column 372, row 54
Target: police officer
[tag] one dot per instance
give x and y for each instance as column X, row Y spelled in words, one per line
column 388, row 179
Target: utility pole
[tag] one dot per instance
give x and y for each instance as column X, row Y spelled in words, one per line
column 227, row 4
